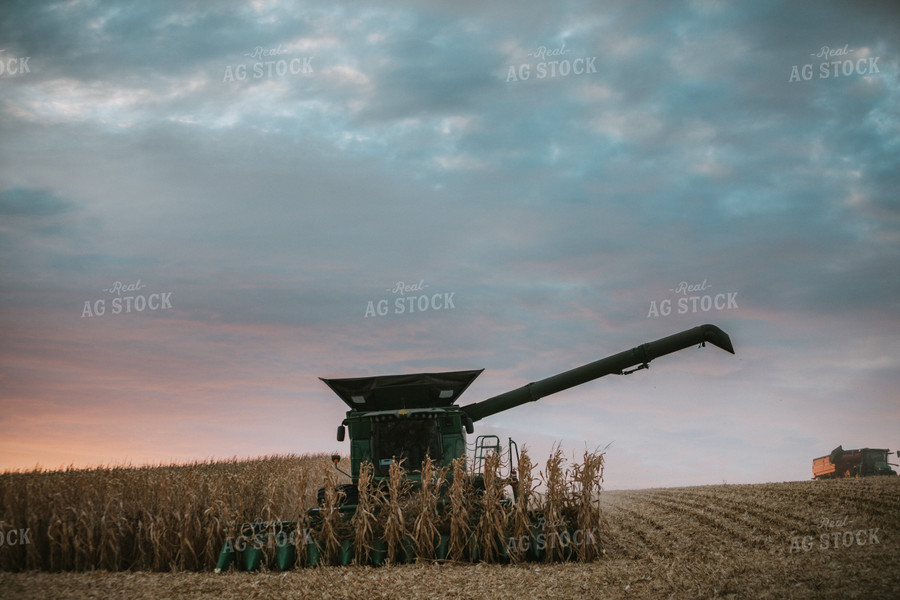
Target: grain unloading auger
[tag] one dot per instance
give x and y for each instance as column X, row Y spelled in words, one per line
column 402, row 419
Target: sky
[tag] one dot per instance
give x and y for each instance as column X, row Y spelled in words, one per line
column 205, row 207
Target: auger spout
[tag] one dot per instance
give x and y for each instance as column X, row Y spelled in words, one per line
column 637, row 358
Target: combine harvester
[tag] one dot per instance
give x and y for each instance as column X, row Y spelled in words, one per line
column 864, row 462
column 403, row 420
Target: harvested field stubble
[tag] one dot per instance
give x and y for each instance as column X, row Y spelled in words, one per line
column 773, row 540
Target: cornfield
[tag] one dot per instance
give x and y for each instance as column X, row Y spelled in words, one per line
column 450, row 513
column 176, row 518
column 148, row 518
column 808, row 540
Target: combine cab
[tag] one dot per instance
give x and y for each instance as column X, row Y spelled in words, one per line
column 402, row 420
column 864, row 462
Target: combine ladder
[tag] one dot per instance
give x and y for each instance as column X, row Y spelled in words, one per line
column 509, row 457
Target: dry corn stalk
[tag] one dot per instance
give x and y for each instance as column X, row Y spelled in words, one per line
column 587, row 479
column 555, row 501
column 492, row 521
column 426, row 532
column 395, row 524
column 365, row 519
column 520, row 521
column 460, row 495
column 328, row 534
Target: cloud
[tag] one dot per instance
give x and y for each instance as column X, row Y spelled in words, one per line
column 31, row 203
column 274, row 208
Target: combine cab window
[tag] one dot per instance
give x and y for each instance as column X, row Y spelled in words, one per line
column 410, row 439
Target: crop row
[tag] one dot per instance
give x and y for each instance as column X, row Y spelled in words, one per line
column 155, row 518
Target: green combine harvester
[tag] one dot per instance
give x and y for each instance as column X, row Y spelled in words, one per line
column 406, row 418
